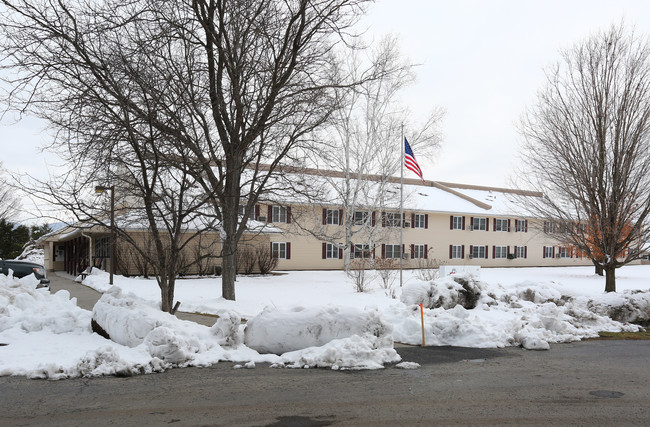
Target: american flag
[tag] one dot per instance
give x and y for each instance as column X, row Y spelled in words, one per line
column 410, row 162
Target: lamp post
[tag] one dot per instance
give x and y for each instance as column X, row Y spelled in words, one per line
column 100, row 189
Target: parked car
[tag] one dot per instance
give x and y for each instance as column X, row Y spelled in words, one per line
column 25, row 268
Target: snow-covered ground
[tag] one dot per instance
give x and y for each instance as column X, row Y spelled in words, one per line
column 306, row 319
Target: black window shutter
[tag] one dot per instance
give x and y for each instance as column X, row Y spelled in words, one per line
column 412, row 250
column 450, row 251
column 324, row 216
column 340, row 253
column 426, row 220
column 412, row 220
column 451, row 222
column 324, row 250
column 486, row 251
column 494, row 251
column 462, row 251
column 383, row 250
column 288, row 214
column 340, row 216
column 426, row 251
column 288, row 250
column 269, row 217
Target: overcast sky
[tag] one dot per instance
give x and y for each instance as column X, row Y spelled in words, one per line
column 481, row 60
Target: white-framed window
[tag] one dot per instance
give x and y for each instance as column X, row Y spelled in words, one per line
column 419, row 251
column 563, row 253
column 521, row 225
column 331, row 251
column 392, row 219
column 360, row 217
column 419, row 221
column 393, row 251
column 456, row 222
column 279, row 250
column 457, row 251
column 549, row 251
column 501, row 224
column 279, row 214
column 500, row 251
column 241, row 210
column 332, row 217
column 361, row 251
column 479, row 224
column 520, row 251
column 478, row 251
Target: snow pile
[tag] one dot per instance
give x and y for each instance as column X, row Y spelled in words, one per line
column 132, row 321
column 32, row 254
column 331, row 337
column 355, row 352
column 530, row 314
column 629, row 306
column 282, row 330
column 48, row 336
column 446, row 292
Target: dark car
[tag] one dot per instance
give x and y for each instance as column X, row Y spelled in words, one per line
column 25, row 268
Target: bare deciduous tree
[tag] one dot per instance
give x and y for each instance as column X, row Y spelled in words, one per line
column 587, row 148
column 223, row 85
column 9, row 202
column 362, row 141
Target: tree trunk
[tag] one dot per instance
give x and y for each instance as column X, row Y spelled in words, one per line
column 228, row 269
column 598, row 268
column 610, row 279
column 166, row 298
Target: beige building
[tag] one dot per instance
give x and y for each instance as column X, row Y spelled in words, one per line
column 442, row 223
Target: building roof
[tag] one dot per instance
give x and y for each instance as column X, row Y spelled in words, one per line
column 430, row 196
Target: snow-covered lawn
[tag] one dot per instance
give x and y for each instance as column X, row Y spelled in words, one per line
column 309, row 318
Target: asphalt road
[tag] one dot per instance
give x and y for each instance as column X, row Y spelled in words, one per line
column 586, row 383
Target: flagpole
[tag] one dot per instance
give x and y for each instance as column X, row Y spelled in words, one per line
column 401, row 209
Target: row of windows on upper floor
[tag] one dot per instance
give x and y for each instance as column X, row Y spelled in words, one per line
column 457, row 222
column 282, row 214
column 551, row 227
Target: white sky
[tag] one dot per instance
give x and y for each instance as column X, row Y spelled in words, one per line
column 481, row 60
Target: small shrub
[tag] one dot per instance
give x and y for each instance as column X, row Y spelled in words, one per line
column 357, row 273
column 387, row 271
column 246, row 260
column 427, row 269
column 265, row 260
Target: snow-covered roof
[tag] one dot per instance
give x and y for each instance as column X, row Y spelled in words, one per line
column 132, row 221
column 430, row 196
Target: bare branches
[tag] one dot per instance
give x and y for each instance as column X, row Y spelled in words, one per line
column 586, row 147
column 9, row 202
